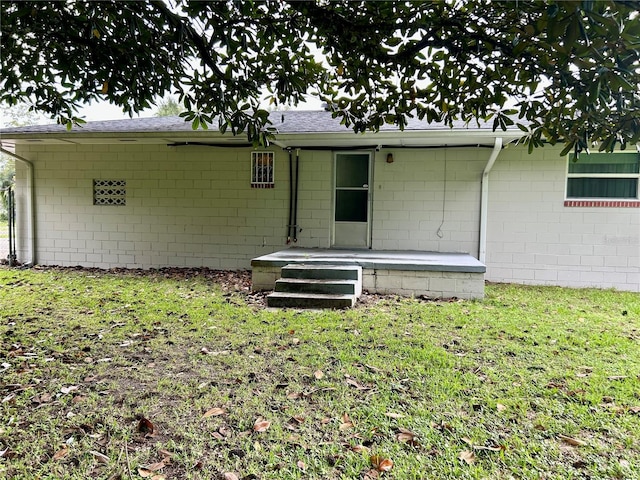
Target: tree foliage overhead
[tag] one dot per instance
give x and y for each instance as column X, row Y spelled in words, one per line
column 565, row 71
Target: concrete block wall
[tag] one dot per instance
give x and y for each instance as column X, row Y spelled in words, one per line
column 533, row 238
column 193, row 206
column 408, row 197
column 185, row 206
column 432, row 284
column 315, row 198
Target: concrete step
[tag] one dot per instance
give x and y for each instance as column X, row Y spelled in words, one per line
column 317, row 285
column 309, row 300
column 338, row 272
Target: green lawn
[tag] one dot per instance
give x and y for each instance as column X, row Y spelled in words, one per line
column 123, row 375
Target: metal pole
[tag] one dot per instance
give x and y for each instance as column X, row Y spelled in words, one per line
column 11, row 257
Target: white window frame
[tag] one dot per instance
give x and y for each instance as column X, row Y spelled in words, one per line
column 600, row 175
column 263, row 169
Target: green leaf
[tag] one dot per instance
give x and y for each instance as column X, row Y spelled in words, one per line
column 567, row 148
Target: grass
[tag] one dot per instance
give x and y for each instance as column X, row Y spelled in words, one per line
column 530, row 383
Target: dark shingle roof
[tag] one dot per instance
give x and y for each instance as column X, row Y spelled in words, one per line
column 291, row 121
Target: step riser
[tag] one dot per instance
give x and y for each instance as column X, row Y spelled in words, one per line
column 288, row 302
column 285, row 285
column 319, row 272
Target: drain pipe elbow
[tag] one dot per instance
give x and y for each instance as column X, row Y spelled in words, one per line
column 32, row 202
column 484, row 198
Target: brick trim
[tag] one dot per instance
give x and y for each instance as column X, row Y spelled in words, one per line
column 603, row 203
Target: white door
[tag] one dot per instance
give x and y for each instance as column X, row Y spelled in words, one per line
column 352, row 201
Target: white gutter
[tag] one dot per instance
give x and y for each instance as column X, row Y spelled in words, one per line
column 484, row 199
column 31, row 222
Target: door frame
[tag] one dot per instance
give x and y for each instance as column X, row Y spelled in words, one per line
column 371, row 157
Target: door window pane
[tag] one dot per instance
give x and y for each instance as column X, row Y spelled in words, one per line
column 351, row 205
column 352, row 170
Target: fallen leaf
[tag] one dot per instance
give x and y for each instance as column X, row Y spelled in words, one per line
column 346, row 422
column 634, row 409
column 359, row 449
column 500, row 407
column 380, row 463
column 617, row 377
column 442, row 426
column 45, row 398
column 301, row 465
column 489, row 449
column 60, row 454
column 261, row 425
column 574, row 442
column 372, row 368
column 154, row 467
column 144, row 473
column 230, row 476
column 353, row 383
column 318, row 374
column 394, row 415
column 371, row 475
column 467, row 456
column 405, row 436
column 214, row 412
column 145, row 426
column 299, row 419
column 100, row 457
column 68, row 389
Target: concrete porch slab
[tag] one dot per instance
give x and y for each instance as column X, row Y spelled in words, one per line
column 408, row 273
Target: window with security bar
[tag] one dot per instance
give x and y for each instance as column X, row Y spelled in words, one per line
column 110, row 192
column 262, row 164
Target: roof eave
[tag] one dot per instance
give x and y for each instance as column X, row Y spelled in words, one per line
column 440, row 137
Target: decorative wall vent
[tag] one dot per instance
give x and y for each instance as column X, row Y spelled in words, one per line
column 109, row 192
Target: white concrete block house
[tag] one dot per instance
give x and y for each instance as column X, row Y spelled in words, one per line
column 152, row 192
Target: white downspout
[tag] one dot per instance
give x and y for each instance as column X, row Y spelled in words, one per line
column 31, row 225
column 484, row 199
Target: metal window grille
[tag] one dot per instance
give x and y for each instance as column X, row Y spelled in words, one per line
column 262, row 164
column 109, row 192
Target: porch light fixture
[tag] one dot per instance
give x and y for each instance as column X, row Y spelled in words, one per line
column 389, row 157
